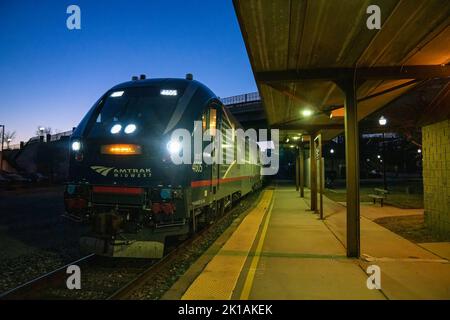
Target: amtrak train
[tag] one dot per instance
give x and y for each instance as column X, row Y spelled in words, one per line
column 122, row 182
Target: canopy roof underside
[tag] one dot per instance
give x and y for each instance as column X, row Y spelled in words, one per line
column 300, row 35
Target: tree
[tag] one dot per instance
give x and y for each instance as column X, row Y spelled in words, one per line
column 9, row 136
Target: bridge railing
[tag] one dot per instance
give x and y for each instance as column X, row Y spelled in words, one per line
column 242, row 98
column 59, row 135
column 53, row 137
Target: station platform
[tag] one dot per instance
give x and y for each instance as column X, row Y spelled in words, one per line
column 282, row 250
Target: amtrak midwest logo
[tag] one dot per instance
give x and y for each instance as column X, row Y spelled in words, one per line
column 123, row 173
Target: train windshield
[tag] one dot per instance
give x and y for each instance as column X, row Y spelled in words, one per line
column 149, row 108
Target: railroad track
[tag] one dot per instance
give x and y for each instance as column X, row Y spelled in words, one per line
column 116, row 279
column 151, row 274
column 126, row 292
column 31, row 289
column 40, row 287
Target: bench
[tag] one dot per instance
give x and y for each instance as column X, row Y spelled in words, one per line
column 380, row 194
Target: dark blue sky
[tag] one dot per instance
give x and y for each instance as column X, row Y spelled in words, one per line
column 51, row 75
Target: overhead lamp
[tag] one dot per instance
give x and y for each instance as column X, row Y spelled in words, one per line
column 307, row 113
column 382, row 121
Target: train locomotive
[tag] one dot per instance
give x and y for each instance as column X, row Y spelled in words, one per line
column 122, row 182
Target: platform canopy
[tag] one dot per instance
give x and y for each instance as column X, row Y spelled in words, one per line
column 300, row 49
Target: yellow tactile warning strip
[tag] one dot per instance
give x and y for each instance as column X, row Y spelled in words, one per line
column 254, row 264
column 219, row 278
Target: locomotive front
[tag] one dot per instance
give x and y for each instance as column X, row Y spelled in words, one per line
column 122, row 180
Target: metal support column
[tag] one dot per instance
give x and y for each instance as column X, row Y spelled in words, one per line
column 352, row 167
column 318, row 140
column 302, row 171
column 383, row 157
column 296, row 172
column 313, row 174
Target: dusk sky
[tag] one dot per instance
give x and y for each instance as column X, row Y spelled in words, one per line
column 51, row 75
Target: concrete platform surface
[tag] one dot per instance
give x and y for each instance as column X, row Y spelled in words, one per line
column 409, row 271
column 283, row 251
column 372, row 212
column 441, row 249
column 302, row 259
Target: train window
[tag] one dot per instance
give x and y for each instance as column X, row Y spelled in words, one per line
column 213, row 121
column 204, row 122
column 142, row 105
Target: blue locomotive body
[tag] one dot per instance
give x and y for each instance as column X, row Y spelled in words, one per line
column 123, row 182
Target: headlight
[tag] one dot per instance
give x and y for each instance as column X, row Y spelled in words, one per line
column 174, row 146
column 76, row 145
column 116, row 128
column 130, row 128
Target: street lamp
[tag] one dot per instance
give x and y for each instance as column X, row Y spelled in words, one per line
column 332, row 159
column 382, row 122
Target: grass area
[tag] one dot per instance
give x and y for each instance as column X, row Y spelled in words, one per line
column 396, row 197
column 409, row 227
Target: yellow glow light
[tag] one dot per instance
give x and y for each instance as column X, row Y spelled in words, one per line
column 121, row 149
